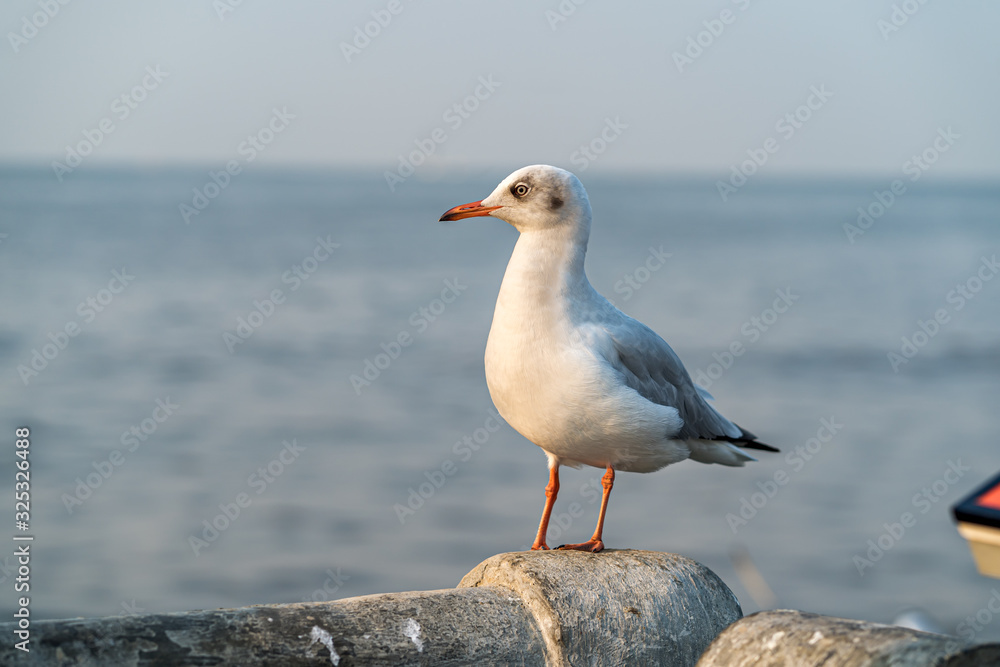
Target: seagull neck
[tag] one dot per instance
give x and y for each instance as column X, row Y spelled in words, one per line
column 547, row 264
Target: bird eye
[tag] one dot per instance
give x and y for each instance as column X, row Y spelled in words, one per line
column 520, row 189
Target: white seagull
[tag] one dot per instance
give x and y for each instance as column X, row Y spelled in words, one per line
column 572, row 373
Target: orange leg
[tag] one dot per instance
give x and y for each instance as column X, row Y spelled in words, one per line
column 551, row 491
column 595, row 544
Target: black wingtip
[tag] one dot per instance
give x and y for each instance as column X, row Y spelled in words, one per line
column 748, row 440
column 753, row 444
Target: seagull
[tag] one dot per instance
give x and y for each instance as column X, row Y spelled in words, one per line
column 572, row 373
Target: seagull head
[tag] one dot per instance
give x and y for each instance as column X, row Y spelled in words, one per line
column 533, row 198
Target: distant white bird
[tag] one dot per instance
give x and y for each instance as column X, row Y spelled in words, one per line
column 572, row 373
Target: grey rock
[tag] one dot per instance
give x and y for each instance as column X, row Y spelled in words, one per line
column 780, row 638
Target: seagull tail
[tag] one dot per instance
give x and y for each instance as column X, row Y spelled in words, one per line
column 718, row 451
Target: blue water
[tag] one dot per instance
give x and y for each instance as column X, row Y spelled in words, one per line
column 321, row 517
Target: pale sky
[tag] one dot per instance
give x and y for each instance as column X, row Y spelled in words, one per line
column 555, row 82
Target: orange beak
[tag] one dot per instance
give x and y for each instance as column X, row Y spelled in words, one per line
column 472, row 210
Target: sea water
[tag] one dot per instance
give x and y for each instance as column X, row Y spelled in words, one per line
column 277, row 393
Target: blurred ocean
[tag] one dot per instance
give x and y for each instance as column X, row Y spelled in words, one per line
column 199, row 430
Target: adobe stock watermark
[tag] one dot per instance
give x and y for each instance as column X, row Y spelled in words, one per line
column 633, row 281
column 363, row 35
column 956, row 298
column 703, row 40
column 899, row 16
column 796, row 459
column 436, row 478
column 421, row 319
column 587, row 153
column 248, row 149
column 131, row 440
column 786, row 127
column 752, row 330
column 31, row 25
column 224, row 8
column 262, row 311
column 973, row 624
column 914, row 168
column 88, row 310
column 121, row 108
column 331, row 585
column 259, row 482
column 922, row 501
column 454, row 116
column 562, row 12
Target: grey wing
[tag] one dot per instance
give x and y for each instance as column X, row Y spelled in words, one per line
column 648, row 365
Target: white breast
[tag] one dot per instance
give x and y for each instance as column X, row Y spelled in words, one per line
column 548, row 375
